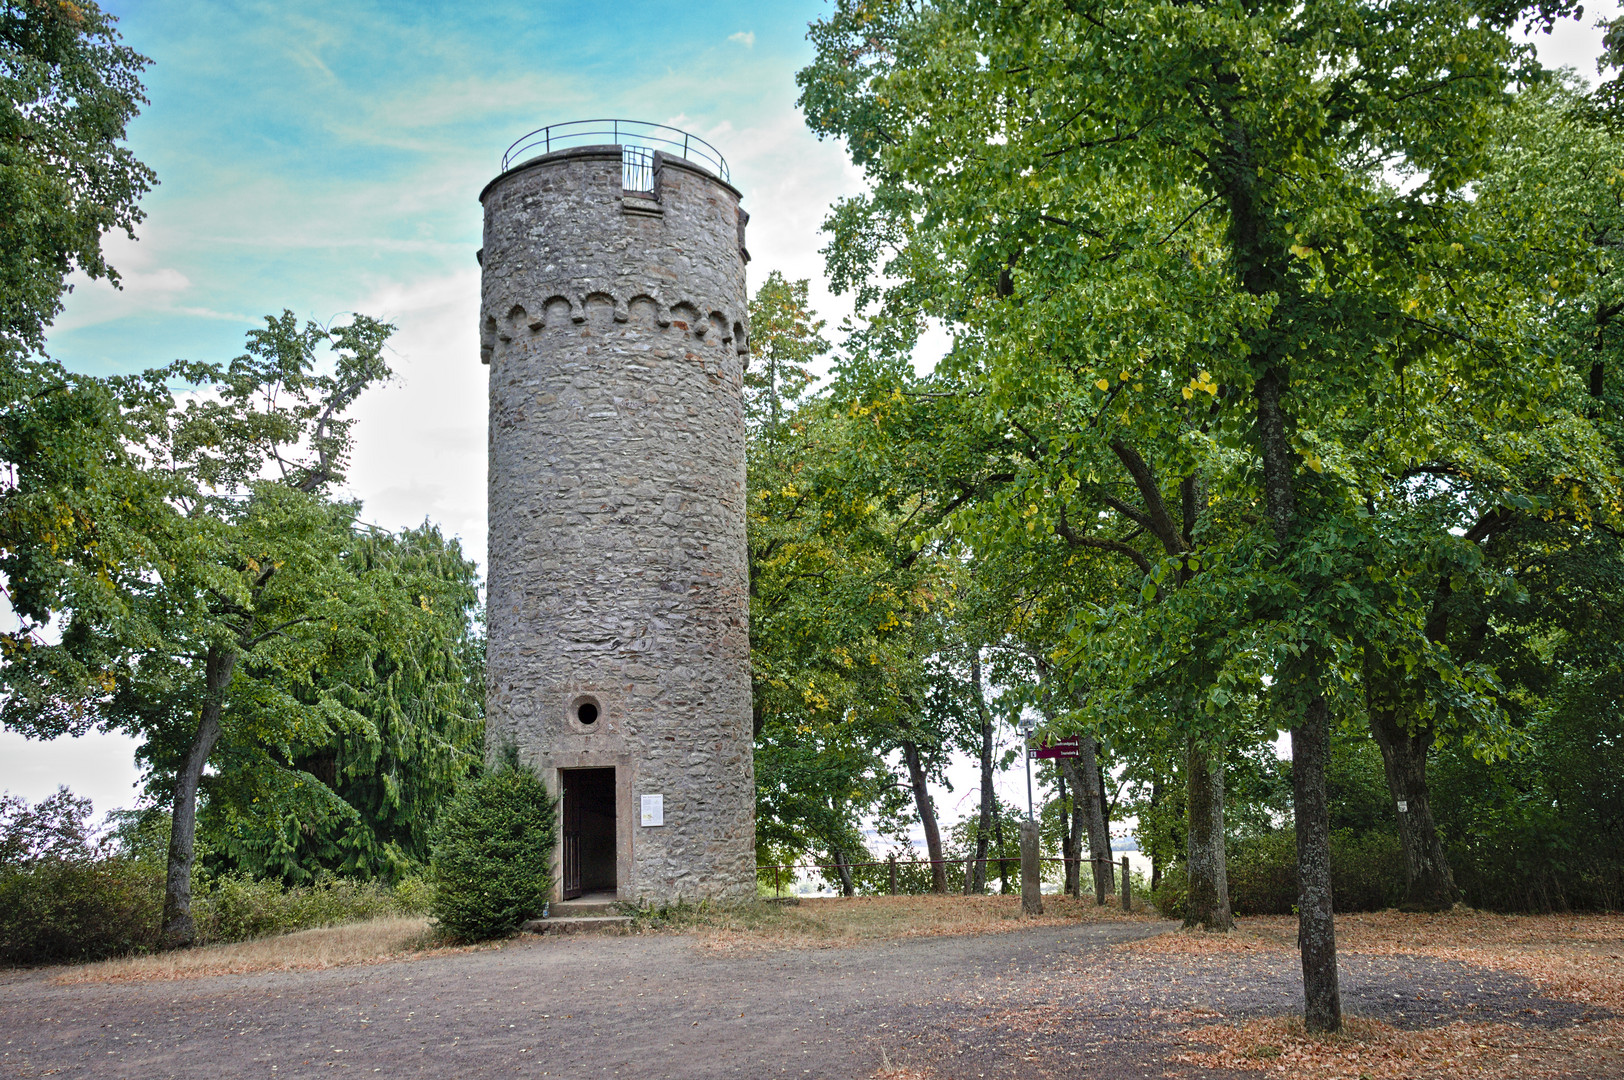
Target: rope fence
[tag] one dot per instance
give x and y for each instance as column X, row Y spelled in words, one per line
column 969, row 861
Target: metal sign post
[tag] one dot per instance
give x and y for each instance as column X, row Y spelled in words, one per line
column 1027, row 727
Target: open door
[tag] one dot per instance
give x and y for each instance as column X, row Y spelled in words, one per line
column 588, row 831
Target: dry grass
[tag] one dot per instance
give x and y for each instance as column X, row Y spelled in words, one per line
column 1569, row 957
column 903, row 1072
column 370, row 942
column 827, row 922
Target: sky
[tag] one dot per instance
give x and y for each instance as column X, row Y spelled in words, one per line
column 328, row 159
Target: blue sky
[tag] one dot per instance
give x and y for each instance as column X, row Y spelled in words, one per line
column 328, row 158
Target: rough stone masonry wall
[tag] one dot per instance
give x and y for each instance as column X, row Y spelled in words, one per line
column 615, row 331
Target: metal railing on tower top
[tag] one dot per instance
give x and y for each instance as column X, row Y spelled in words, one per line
column 623, row 133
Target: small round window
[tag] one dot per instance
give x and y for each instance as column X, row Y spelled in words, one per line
column 585, row 710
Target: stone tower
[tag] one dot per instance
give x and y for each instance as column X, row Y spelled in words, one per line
column 613, row 318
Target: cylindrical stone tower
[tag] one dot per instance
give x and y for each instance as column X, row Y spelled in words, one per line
column 613, row 318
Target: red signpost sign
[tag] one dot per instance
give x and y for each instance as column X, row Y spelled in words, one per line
column 1061, row 748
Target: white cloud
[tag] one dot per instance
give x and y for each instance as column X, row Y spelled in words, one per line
column 747, row 38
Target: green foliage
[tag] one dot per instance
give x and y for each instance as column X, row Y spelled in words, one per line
column 1367, row 874
column 57, row 911
column 840, row 626
column 68, row 90
column 217, row 581
column 1542, row 830
column 360, row 799
column 64, row 895
column 493, row 853
column 67, row 895
column 236, row 907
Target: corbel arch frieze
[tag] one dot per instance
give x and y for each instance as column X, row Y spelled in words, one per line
column 506, row 319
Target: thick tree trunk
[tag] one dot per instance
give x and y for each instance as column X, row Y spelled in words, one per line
column 1428, row 883
column 927, row 817
column 1208, row 904
column 1091, row 790
column 179, row 930
column 1316, row 929
column 984, row 821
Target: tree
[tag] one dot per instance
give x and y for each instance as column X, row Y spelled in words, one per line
column 70, row 91
column 361, row 799
column 233, row 587
column 1165, row 201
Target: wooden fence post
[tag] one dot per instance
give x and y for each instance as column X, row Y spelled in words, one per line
column 1127, row 887
column 1031, row 870
column 893, row 862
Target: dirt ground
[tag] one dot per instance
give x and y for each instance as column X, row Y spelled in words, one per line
column 1102, row 998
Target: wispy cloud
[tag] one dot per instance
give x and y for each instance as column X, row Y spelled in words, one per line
column 747, row 38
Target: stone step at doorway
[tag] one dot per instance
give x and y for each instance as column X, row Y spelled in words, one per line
column 592, row 903
column 579, row 924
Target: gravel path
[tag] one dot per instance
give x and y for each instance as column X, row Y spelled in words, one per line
column 1046, row 1002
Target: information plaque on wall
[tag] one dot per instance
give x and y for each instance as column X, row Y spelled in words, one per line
column 653, row 809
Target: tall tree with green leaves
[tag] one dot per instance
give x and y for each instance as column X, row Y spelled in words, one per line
column 357, row 793
column 1177, row 203
column 235, row 586
column 68, row 90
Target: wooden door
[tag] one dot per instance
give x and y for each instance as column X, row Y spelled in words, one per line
column 572, row 842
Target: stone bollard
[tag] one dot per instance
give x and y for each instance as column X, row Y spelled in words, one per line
column 1031, row 871
column 1127, row 886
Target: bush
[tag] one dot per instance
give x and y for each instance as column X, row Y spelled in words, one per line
column 236, row 907
column 1367, row 874
column 493, row 853
column 59, row 910
column 63, row 894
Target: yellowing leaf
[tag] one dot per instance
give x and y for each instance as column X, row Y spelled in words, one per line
column 1188, row 393
column 1301, row 252
column 1103, row 385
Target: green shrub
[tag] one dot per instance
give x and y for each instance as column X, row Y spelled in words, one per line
column 58, row 910
column 64, row 895
column 235, row 907
column 1367, row 874
column 493, row 853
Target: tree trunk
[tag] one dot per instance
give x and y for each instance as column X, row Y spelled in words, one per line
column 843, row 868
column 1003, row 867
column 1428, row 883
column 1208, row 904
column 1068, row 843
column 1091, row 786
column 984, row 822
column 1155, row 801
column 1316, row 930
column 178, row 929
column 927, row 816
